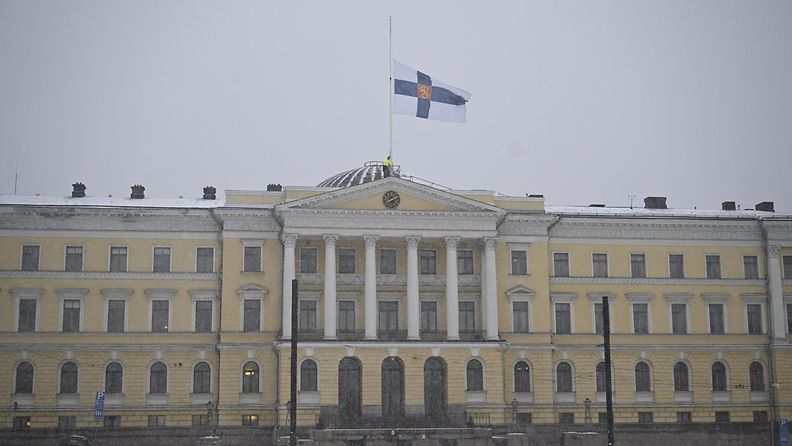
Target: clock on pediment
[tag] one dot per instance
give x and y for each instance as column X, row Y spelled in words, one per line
column 391, row 199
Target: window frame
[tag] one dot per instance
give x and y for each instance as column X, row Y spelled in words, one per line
column 22, row 257
column 641, row 299
column 786, row 273
column 208, row 378
column 303, row 256
column 250, row 384
column 260, row 316
column 116, row 294
column 644, row 265
column 596, row 299
column 563, row 298
column 104, row 377
column 76, row 378
column 395, row 260
column 707, row 274
column 725, row 376
column 756, row 265
column 421, row 261
column 593, row 264
column 688, row 376
column 472, row 262
column 649, row 383
column 340, row 268
column 314, row 380
column 671, row 274
column 211, row 315
column 354, row 302
column 513, row 249
column 762, row 325
column 529, row 367
column 475, row 383
column 198, row 269
column 66, row 258
column 125, row 268
column 751, row 374
column 16, row 386
column 436, row 302
column 154, row 258
column 568, row 264
column 253, row 268
column 475, row 312
column 557, row 380
column 151, row 378
column 316, row 321
column 671, row 326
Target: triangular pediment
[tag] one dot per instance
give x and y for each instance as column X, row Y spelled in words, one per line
column 412, row 196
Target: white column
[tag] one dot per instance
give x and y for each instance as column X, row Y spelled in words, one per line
column 452, row 289
column 330, row 286
column 776, row 293
column 413, row 298
column 289, row 242
column 370, row 302
column 491, row 289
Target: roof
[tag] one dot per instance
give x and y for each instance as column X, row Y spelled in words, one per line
column 353, row 177
column 589, row 211
column 65, row 200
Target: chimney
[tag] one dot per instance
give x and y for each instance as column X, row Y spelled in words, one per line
column 728, row 206
column 535, row 196
column 78, row 190
column 767, row 206
column 655, row 203
column 210, row 193
column 597, row 205
column 274, row 188
column 137, row 191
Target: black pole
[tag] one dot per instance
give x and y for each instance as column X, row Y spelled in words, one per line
column 293, row 384
column 608, row 389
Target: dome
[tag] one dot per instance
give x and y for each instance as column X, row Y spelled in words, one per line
column 371, row 171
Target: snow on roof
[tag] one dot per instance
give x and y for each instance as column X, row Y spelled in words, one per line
column 65, row 200
column 590, row 211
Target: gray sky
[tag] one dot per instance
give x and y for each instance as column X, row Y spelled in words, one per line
column 584, row 102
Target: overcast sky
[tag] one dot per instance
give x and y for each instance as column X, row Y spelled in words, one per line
column 584, row 102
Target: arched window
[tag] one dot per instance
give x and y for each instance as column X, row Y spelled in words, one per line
column 24, row 379
column 522, row 377
column 600, row 372
column 475, row 376
column 563, row 377
column 643, row 379
column 114, row 378
column 68, row 378
column 202, row 376
column 308, row 376
column 158, row 378
column 681, row 377
column 250, row 377
column 756, row 375
column 719, row 377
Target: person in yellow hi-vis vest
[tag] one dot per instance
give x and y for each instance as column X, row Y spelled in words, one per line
column 387, row 167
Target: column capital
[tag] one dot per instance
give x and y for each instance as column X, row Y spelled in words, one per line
column 330, row 239
column 489, row 242
column 370, row 240
column 413, row 240
column 773, row 250
column 451, row 242
column 289, row 240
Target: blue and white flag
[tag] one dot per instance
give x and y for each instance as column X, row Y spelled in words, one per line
column 417, row 94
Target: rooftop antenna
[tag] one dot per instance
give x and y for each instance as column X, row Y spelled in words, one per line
column 631, row 197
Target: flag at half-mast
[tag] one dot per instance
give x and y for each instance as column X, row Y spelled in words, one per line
column 417, row 94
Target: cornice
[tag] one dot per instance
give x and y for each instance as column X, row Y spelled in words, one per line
column 658, row 281
column 476, row 215
column 466, row 280
column 635, row 229
column 389, row 223
column 106, row 275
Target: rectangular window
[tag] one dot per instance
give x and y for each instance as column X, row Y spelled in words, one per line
column 561, row 264
column 787, row 262
column 116, row 314
column 118, row 259
column 716, row 319
column 684, row 417
column 74, row 258
column 428, row 261
column 465, row 261
column 751, row 267
column 467, row 316
column 252, row 259
column 307, row 317
column 598, row 318
column 203, row 316
column 754, row 318
column 520, row 317
column 346, row 316
column 21, row 422
column 721, row 417
column 429, row 316
column 200, row 420
column 713, row 267
column 566, row 418
column 640, row 318
column 27, row 315
column 599, row 264
column 252, row 316
column 679, row 318
column 346, row 261
column 67, row 421
column 760, row 416
column 519, row 263
column 30, row 257
column 645, row 417
column 156, row 420
column 676, row 266
column 388, row 316
column 309, row 259
column 250, row 420
column 204, row 260
column 563, row 320
column 387, row 261
column 638, row 266
column 162, row 259
column 112, row 421
column 71, row 315
column 160, row 312
column 524, row 418
column 789, row 318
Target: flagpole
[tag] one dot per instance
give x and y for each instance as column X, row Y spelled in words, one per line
column 390, row 87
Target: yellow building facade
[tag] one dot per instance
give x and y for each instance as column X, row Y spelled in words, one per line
column 417, row 306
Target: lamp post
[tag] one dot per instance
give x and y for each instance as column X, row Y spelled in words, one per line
column 211, row 409
column 514, row 405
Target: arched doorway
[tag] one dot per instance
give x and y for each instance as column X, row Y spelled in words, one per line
column 349, row 387
column 435, row 389
column 392, row 388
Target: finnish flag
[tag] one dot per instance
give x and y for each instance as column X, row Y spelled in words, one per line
column 417, row 94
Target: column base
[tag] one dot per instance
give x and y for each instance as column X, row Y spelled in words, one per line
column 329, row 338
column 370, row 338
column 493, row 338
column 413, row 338
column 452, row 338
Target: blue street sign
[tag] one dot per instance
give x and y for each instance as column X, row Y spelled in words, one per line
column 783, row 432
column 99, row 406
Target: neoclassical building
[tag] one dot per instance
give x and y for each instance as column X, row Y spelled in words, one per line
column 418, row 306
